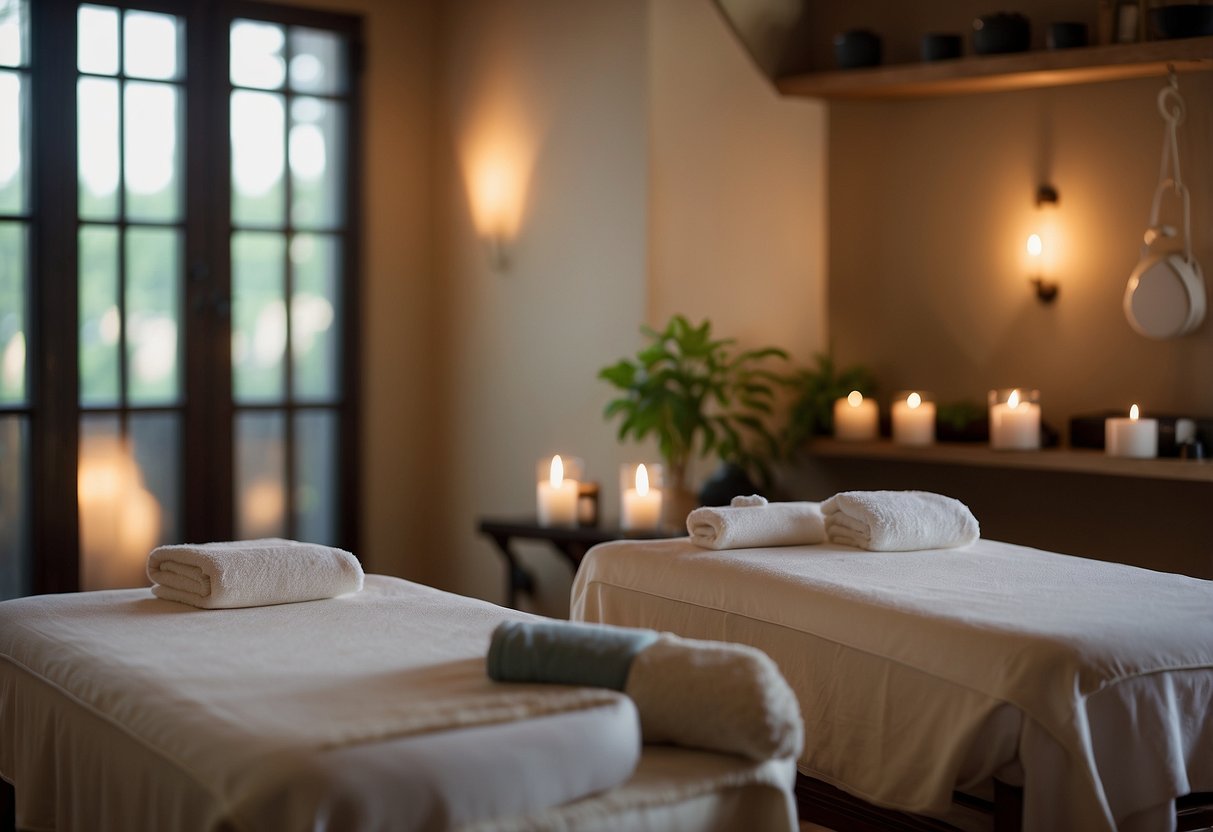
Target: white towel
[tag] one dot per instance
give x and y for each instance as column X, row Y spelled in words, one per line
column 745, row 524
column 251, row 573
column 715, row 695
column 899, row 521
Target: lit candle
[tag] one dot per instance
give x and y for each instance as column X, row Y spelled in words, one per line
column 641, row 503
column 855, row 418
column 913, row 420
column 1015, row 422
column 1132, row 437
column 557, row 497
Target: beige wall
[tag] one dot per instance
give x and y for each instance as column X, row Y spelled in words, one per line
column 662, row 173
column 928, row 280
column 737, row 193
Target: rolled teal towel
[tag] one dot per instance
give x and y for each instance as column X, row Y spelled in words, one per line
column 565, row 653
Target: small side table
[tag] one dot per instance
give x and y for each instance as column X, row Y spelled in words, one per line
column 572, row 542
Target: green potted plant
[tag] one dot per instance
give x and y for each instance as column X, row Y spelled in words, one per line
column 698, row 396
column 814, row 392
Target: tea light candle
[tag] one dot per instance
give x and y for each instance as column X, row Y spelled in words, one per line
column 913, row 420
column 1133, row 437
column 1015, row 422
column 855, row 418
column 557, row 497
column 641, row 502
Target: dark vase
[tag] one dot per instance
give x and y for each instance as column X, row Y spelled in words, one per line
column 729, row 480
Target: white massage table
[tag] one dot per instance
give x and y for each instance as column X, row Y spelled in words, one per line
column 920, row 674
column 370, row 711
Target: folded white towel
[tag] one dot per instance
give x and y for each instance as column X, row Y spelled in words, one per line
column 251, row 573
column 899, row 521
column 747, row 524
column 715, row 695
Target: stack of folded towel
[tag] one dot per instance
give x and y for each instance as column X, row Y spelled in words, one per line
column 751, row 522
column 899, row 521
column 251, row 573
column 699, row 694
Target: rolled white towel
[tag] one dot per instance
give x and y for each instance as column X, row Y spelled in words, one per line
column 251, row 573
column 899, row 521
column 716, row 696
column 746, row 524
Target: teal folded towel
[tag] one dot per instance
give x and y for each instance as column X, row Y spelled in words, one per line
column 565, row 653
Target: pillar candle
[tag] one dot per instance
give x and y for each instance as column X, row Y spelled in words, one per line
column 556, row 497
column 641, row 502
column 1015, row 422
column 913, row 420
column 855, row 418
column 1132, row 437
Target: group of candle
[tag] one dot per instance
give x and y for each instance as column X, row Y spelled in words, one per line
column 1014, row 423
column 557, row 495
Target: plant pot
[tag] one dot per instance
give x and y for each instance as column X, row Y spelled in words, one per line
column 728, row 481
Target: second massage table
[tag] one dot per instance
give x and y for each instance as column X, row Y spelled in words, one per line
column 922, row 673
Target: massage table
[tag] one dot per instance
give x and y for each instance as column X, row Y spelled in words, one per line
column 924, row 676
column 368, row 711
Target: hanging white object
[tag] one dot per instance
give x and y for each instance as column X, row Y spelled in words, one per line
column 1165, row 297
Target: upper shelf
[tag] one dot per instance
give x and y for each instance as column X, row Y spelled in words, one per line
column 993, row 73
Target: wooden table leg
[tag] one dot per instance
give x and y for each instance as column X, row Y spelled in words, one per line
column 517, row 579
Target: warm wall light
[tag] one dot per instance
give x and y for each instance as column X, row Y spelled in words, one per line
column 497, row 149
column 1038, row 251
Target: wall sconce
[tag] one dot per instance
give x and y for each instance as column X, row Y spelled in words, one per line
column 1046, row 290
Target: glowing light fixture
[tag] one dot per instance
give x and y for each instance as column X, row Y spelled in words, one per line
column 1046, row 290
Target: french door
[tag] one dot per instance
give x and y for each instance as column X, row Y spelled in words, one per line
column 177, row 282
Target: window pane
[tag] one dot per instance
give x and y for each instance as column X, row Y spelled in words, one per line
column 97, row 40
column 14, row 142
column 153, row 45
column 258, row 316
column 316, row 476
column 13, row 311
column 317, row 148
column 119, row 517
column 156, row 443
column 316, row 264
column 258, row 159
column 317, row 61
column 153, row 266
column 151, row 156
column 15, row 572
column 257, row 59
column 100, row 321
column 97, row 123
column 260, row 475
column 14, row 33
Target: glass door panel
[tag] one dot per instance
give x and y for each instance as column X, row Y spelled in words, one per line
column 289, row 113
column 130, row 105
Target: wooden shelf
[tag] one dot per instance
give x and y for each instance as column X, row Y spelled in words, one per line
column 993, row 73
column 1068, row 460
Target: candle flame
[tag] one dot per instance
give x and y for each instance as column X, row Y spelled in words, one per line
column 1035, row 246
column 1013, row 399
column 556, row 477
column 855, row 398
column 1134, row 413
column 913, row 400
column 642, row 480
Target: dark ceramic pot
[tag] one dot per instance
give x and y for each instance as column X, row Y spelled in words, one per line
column 1067, row 35
column 729, row 480
column 857, row 48
column 937, row 46
column 1185, row 20
column 994, row 34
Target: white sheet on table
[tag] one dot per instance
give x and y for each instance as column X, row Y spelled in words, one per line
column 248, row 702
column 903, row 662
